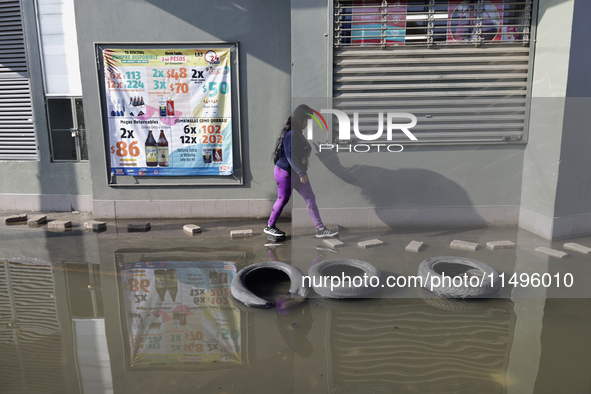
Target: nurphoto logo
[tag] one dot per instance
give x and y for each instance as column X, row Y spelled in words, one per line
column 345, row 130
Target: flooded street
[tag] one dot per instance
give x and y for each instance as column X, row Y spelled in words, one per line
column 119, row 312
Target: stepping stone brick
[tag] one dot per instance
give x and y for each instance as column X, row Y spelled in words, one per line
column 241, row 233
column 38, row 219
column 463, row 245
column 495, row 245
column 95, row 225
column 577, row 248
column 16, row 218
column 552, row 252
column 414, row 246
column 191, row 229
column 371, row 243
column 59, row 224
column 138, row 227
column 333, row 242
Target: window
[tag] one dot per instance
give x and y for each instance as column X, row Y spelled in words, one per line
column 61, row 78
column 460, row 66
column 67, row 131
column 17, row 131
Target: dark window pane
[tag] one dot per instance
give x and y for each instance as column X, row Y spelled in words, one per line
column 60, row 113
column 83, row 145
column 64, row 145
column 80, row 113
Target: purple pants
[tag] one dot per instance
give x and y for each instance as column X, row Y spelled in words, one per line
column 284, row 187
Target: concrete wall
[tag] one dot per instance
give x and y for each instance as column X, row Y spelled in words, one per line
column 263, row 30
column 551, row 183
column 42, row 185
column 573, row 204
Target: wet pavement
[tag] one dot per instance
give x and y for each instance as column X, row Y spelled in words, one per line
column 119, row 312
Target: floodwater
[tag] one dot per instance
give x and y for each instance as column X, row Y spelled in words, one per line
column 119, row 312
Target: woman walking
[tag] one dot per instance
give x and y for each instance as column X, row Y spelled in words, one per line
column 292, row 152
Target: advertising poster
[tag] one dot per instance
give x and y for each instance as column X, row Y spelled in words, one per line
column 169, row 111
column 178, row 314
column 395, row 24
column 462, row 23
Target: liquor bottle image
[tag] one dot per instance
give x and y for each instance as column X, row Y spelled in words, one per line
column 170, row 107
column 162, row 105
column 207, row 151
column 162, row 150
column 171, row 283
column 217, row 154
column 160, row 278
column 151, row 151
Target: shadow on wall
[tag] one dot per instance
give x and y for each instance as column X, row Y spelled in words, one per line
column 393, row 194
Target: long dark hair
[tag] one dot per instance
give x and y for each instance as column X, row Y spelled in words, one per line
column 294, row 122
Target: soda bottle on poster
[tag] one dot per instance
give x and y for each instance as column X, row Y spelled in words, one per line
column 171, row 283
column 151, row 151
column 160, row 278
column 162, row 150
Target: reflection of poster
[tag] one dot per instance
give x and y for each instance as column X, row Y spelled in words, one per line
column 462, row 22
column 169, row 111
column 395, row 23
column 178, row 314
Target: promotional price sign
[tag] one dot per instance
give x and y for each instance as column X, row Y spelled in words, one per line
column 169, row 111
column 179, row 315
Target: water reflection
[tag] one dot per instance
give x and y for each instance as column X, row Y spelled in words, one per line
column 67, row 325
column 178, row 314
column 389, row 346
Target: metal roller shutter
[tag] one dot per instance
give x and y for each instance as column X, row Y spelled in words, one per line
column 461, row 67
column 17, row 131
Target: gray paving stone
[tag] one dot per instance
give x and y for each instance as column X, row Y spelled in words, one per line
column 552, row 252
column 414, row 246
column 333, row 242
column 371, row 243
column 138, row 227
column 577, row 248
column 495, row 245
column 37, row 219
column 95, row 225
column 191, row 229
column 464, row 245
column 241, row 233
column 59, row 224
column 20, row 217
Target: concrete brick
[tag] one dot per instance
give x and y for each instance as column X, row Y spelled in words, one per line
column 371, row 243
column 16, row 218
column 552, row 252
column 414, row 246
column 59, row 224
column 191, row 229
column 333, row 242
column 577, row 248
column 94, row 225
column 463, row 245
column 241, row 233
column 37, row 219
column 138, row 227
column 495, row 245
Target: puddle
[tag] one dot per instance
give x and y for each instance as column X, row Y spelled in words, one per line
column 118, row 312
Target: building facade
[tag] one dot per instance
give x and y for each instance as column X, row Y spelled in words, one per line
column 499, row 90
